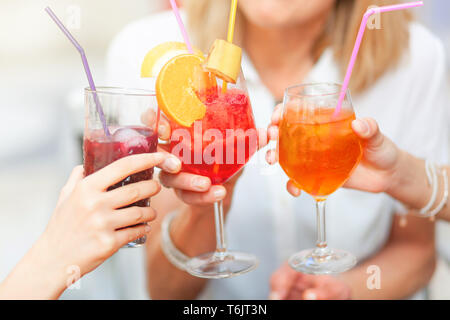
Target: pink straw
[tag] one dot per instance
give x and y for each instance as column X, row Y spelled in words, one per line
column 362, row 28
column 181, row 25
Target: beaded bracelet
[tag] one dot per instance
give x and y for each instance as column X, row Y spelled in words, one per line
column 430, row 169
column 444, row 200
column 433, row 181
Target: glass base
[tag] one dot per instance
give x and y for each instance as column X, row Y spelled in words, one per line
column 322, row 261
column 136, row 243
column 214, row 265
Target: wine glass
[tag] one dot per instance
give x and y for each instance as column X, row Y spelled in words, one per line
column 318, row 151
column 218, row 146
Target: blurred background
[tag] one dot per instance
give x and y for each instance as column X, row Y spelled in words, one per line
column 41, row 108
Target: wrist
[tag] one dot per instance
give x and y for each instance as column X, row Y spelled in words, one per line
column 37, row 276
column 192, row 230
column 52, row 266
column 398, row 179
column 409, row 182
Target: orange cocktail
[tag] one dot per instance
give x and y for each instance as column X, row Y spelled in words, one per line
column 319, row 153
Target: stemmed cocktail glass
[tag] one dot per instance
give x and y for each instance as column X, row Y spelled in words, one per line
column 218, row 146
column 318, row 151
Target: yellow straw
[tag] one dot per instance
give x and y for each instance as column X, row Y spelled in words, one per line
column 232, row 20
column 230, row 35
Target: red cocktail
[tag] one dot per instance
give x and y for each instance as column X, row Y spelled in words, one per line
column 222, row 142
column 218, row 146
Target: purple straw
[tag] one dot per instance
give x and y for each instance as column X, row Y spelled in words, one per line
column 86, row 67
column 359, row 38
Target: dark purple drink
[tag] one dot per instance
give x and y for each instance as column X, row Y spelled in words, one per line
column 99, row 151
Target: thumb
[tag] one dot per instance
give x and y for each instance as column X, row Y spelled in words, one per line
column 367, row 129
column 76, row 175
column 379, row 151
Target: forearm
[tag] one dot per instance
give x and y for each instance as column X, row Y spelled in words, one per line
column 36, row 276
column 409, row 182
column 410, row 185
column 405, row 266
column 192, row 233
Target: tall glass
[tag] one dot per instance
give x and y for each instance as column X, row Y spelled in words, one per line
column 122, row 109
column 318, row 151
column 218, row 146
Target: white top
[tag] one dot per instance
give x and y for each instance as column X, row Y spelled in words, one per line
column 410, row 105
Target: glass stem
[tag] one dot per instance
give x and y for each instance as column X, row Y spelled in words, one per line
column 221, row 245
column 321, row 243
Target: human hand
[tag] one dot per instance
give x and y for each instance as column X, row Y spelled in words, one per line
column 288, row 284
column 88, row 224
column 380, row 158
column 379, row 163
column 193, row 189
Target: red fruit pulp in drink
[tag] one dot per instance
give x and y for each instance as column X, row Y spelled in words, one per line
column 99, row 151
column 222, row 142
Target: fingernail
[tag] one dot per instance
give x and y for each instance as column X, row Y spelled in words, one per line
column 162, row 130
column 219, row 193
column 361, row 126
column 273, row 132
column 200, row 183
column 172, row 164
column 309, row 296
column 274, row 296
column 147, row 228
column 269, row 157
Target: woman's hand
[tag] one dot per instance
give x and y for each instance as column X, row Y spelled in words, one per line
column 272, row 155
column 378, row 166
column 88, row 224
column 380, row 160
column 288, row 284
column 87, row 227
column 192, row 189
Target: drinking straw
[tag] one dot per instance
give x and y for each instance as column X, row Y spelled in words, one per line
column 176, row 12
column 86, row 67
column 359, row 37
column 232, row 20
column 230, row 35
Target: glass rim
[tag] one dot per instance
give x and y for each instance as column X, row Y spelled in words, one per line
column 313, row 84
column 122, row 91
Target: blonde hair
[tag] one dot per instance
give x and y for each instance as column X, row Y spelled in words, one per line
column 380, row 50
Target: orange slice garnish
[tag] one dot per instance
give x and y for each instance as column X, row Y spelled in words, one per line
column 177, row 85
column 157, row 57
